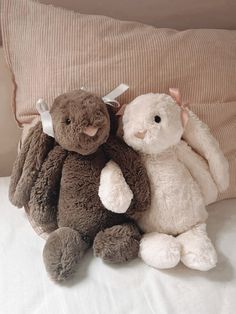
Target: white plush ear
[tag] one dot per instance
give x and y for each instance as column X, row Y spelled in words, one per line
column 197, row 135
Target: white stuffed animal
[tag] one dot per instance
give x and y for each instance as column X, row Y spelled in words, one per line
column 182, row 180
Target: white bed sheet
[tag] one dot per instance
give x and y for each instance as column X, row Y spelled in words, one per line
column 97, row 288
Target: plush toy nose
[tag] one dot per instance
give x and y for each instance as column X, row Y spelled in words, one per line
column 140, row 135
column 90, row 130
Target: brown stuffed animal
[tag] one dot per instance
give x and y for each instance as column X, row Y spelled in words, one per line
column 58, row 179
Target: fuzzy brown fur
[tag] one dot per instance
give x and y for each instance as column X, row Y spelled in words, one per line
column 115, row 240
column 27, row 165
column 64, row 188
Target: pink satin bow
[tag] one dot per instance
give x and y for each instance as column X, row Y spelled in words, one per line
column 175, row 94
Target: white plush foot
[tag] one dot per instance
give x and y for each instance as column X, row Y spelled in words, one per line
column 159, row 250
column 114, row 192
column 197, row 251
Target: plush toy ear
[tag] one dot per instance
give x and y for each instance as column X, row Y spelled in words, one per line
column 184, row 117
column 197, row 135
column 45, row 192
column 27, row 165
column 175, row 94
column 113, row 120
column 121, row 111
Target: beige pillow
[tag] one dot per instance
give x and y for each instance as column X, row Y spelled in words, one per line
column 51, row 50
column 9, row 133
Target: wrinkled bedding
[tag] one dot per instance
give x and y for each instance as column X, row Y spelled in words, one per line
column 99, row 288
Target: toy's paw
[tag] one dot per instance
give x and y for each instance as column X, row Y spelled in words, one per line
column 117, row 244
column 198, row 251
column 160, row 251
column 114, row 192
column 62, row 251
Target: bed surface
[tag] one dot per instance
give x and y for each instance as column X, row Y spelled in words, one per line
column 98, row 288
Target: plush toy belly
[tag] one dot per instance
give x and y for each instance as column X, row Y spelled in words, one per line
column 177, row 203
column 79, row 205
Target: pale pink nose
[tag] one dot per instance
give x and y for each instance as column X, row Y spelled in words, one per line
column 90, row 130
column 140, row 135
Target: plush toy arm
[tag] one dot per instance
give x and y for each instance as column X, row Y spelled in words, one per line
column 198, row 135
column 133, row 171
column 114, row 192
column 27, row 165
column 45, row 193
column 199, row 169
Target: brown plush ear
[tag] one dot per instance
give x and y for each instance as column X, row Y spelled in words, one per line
column 45, row 192
column 133, row 171
column 18, row 165
column 27, row 165
column 113, row 119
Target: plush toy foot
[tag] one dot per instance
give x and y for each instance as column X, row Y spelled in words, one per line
column 117, row 244
column 159, row 250
column 198, row 251
column 62, row 251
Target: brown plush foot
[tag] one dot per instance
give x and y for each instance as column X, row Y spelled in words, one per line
column 62, row 252
column 117, row 244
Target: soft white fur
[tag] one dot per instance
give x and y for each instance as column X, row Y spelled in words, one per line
column 168, row 250
column 198, row 135
column 199, row 170
column 182, row 182
column 197, row 250
column 114, row 192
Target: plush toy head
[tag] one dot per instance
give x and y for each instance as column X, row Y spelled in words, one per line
column 152, row 123
column 80, row 121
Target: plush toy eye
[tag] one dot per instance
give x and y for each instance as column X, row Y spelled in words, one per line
column 157, row 119
column 67, row 121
